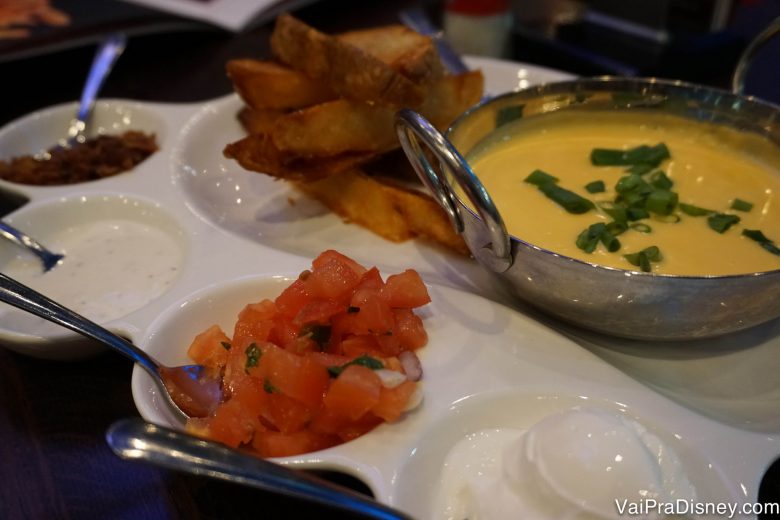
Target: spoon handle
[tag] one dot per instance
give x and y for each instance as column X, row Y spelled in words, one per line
column 19, row 295
column 107, row 54
column 136, row 439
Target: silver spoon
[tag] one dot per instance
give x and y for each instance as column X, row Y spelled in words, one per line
column 189, row 389
column 108, row 52
column 137, row 440
column 20, row 238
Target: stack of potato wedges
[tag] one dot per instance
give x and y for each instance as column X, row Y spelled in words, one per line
column 321, row 116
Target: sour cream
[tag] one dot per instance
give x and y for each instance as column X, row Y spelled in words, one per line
column 112, row 267
column 577, row 464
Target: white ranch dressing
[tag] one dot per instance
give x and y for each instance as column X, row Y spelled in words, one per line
column 112, row 267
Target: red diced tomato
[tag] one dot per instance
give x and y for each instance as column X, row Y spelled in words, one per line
column 255, row 322
column 331, row 255
column 409, row 329
column 393, row 401
column 292, row 299
column 209, row 348
column 279, row 393
column 374, row 315
column 296, row 376
column 405, row 290
column 318, row 311
column 354, row 392
column 288, row 415
column 333, row 280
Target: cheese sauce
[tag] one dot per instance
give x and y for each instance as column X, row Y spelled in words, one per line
column 710, row 166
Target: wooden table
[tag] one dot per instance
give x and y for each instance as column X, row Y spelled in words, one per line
column 54, row 462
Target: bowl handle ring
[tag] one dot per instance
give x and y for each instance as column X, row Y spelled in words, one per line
column 414, row 130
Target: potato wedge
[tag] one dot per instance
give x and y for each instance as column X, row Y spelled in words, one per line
column 267, row 84
column 340, row 126
column 390, row 211
column 259, row 121
column 258, row 153
column 409, row 52
column 348, row 70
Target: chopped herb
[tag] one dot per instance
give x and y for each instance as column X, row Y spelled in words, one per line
column 590, row 238
column 225, row 345
column 538, row 177
column 721, row 222
column 636, row 213
column 628, row 183
column 364, row 360
column 661, row 202
column 660, row 180
column 741, row 205
column 268, row 387
column 640, row 169
column 758, row 236
column 694, row 211
column 641, row 227
column 616, row 211
column 318, row 333
column 253, row 354
column 644, row 258
column 352, row 309
column 644, row 154
column 617, row 227
column 508, row 114
column 667, row 219
column 568, row 200
column 596, row 187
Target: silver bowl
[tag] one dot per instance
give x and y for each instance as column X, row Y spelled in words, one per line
column 612, row 301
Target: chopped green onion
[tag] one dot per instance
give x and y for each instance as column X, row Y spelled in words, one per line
column 640, row 169
column 758, row 236
column 637, row 213
column 628, row 183
column 694, row 211
column 741, row 205
column 641, row 227
column 538, row 177
column 568, row 200
column 721, row 222
column 253, row 354
column 661, row 181
column 508, row 114
column 615, row 228
column 667, row 219
column 661, row 202
column 644, row 154
column 644, row 258
column 590, row 238
column 596, row 187
column 364, row 360
column 616, row 211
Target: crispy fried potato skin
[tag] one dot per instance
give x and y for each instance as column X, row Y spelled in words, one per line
column 322, row 118
column 351, row 72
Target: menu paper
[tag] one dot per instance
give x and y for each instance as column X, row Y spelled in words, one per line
column 234, row 15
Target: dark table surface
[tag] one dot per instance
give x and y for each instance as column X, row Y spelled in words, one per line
column 54, row 462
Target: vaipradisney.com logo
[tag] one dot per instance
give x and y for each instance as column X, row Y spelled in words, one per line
column 683, row 507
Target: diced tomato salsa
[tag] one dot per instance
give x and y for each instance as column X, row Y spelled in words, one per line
column 318, row 365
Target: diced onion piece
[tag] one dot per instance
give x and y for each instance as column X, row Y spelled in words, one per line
column 415, row 399
column 411, row 365
column 390, row 378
